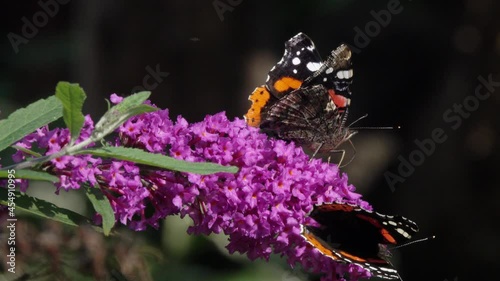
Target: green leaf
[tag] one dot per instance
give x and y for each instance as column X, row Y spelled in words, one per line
column 26, row 120
column 116, row 115
column 27, row 151
column 102, row 206
column 140, row 109
column 29, row 175
column 72, row 97
column 157, row 160
column 132, row 101
column 41, row 208
column 128, row 107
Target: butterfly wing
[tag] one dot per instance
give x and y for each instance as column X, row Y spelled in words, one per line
column 355, row 235
column 336, row 74
column 300, row 60
column 390, row 229
column 287, row 75
column 308, row 117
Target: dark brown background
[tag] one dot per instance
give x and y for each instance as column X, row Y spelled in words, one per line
column 427, row 58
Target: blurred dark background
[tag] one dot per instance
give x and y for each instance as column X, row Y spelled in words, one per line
column 410, row 70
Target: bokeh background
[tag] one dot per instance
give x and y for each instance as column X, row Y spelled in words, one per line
column 410, row 71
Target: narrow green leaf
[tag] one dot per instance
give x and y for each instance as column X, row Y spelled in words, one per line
column 41, row 208
column 157, row 160
column 127, row 104
column 102, row 206
column 30, row 175
column 27, row 151
column 72, row 97
column 116, row 115
column 132, row 101
column 26, row 120
column 140, row 109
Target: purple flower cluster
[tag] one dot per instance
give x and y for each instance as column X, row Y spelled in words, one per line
column 71, row 170
column 260, row 208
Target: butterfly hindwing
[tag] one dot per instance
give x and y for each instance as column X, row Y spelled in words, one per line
column 307, row 117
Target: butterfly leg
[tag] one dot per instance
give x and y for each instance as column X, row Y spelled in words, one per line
column 341, row 158
column 353, row 155
column 343, row 154
column 316, row 152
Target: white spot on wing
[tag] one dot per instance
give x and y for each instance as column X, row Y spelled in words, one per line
column 313, row 66
column 296, row 61
column 345, row 74
column 402, row 232
column 351, row 73
column 329, row 70
column 387, row 269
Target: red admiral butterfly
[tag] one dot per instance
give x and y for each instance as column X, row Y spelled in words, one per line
column 305, row 99
column 351, row 234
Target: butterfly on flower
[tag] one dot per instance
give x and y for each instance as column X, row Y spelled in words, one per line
column 305, row 99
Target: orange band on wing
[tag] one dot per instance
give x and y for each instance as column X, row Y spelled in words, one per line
column 286, row 83
column 320, row 246
column 351, row 257
column 387, row 236
column 369, row 219
column 259, row 97
column 384, row 232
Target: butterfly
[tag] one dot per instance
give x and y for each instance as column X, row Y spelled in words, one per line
column 351, row 234
column 305, row 99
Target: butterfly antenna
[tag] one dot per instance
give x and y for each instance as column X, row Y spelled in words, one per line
column 377, row 128
column 372, row 128
column 415, row 241
column 409, row 243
